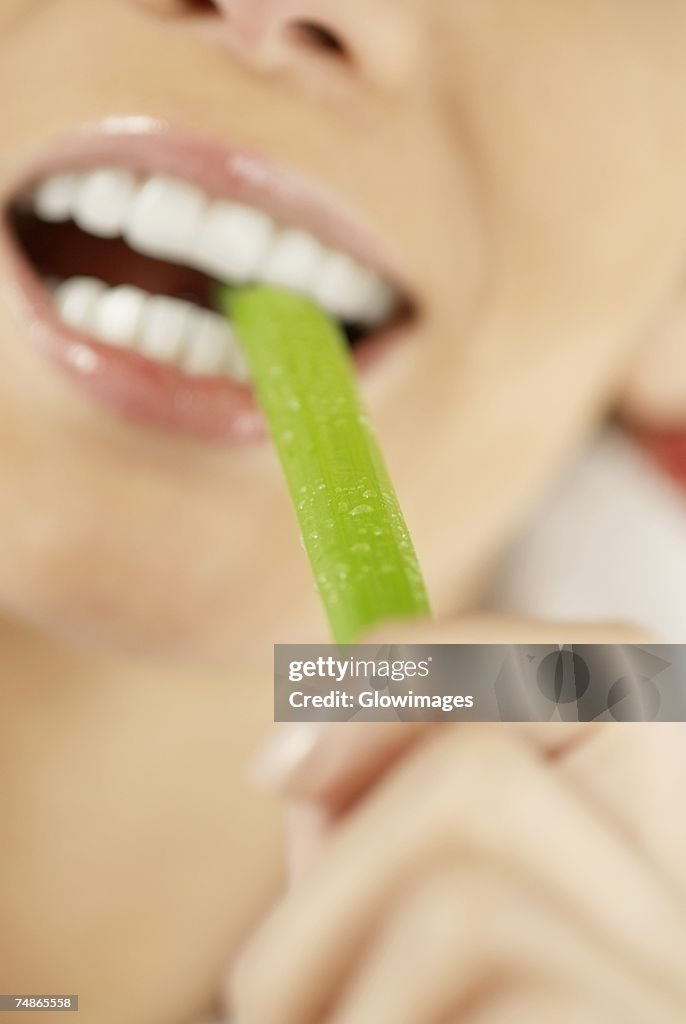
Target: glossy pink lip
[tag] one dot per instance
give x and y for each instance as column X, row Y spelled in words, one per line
column 207, row 408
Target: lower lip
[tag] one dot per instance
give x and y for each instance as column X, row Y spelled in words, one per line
column 142, row 391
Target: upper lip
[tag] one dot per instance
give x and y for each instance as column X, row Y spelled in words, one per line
column 147, row 391
column 222, row 171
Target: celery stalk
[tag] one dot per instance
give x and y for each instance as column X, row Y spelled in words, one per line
column 352, row 527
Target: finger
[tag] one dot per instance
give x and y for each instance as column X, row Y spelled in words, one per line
column 635, row 774
column 464, row 932
column 305, row 829
column 540, row 1008
column 331, row 763
column 335, row 762
column 487, row 628
column 344, row 760
column 464, row 793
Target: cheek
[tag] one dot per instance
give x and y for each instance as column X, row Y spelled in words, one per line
column 108, row 547
column 573, row 115
column 17, row 14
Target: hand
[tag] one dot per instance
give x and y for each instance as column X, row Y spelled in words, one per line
column 334, row 763
column 479, row 912
column 473, row 884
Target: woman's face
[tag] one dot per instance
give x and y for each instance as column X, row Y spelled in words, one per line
column 515, row 170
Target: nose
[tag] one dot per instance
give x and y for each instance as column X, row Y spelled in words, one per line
column 372, row 39
column 267, row 28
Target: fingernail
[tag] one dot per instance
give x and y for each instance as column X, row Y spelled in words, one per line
column 283, row 755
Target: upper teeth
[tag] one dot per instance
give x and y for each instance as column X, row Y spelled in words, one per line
column 173, row 220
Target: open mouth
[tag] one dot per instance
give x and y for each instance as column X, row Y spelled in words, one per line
column 129, row 261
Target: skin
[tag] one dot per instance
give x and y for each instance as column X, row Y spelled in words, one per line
column 417, row 905
column 525, row 170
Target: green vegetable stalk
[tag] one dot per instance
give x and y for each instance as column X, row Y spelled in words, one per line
column 353, row 530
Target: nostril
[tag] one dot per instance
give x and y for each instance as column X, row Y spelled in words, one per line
column 201, row 6
column 317, row 37
column 179, row 8
column 249, row 25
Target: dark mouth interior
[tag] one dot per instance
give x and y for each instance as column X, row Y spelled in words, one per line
column 63, row 250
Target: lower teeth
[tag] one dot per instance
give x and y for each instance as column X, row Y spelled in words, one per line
column 171, row 331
